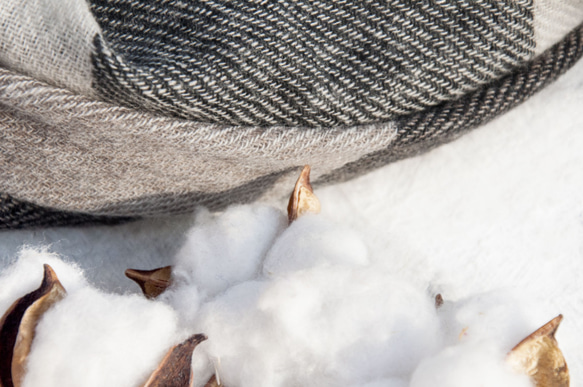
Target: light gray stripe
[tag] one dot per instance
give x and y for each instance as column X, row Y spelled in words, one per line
column 69, row 152
column 553, row 20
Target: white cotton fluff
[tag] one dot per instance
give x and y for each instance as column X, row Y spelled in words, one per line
column 316, row 311
column 89, row 338
column 26, row 273
column 472, row 365
column 96, row 339
column 313, row 241
column 326, row 326
column 282, row 306
column 221, row 251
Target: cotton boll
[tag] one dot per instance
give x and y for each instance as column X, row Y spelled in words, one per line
column 225, row 249
column 476, row 364
column 319, row 315
column 95, row 339
column 324, row 326
column 25, row 275
column 364, row 323
column 313, row 240
column 186, row 299
column 242, row 338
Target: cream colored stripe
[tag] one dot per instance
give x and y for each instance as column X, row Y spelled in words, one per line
column 50, row 40
column 553, row 19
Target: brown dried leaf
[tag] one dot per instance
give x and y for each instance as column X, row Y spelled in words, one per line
column 174, row 370
column 302, row 199
column 539, row 356
column 213, row 382
column 18, row 325
column 152, row 282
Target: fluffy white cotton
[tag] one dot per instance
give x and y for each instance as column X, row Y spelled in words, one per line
column 473, row 365
column 282, row 306
column 95, row 339
column 317, row 312
column 326, row 326
column 314, row 241
column 221, row 251
column 496, row 316
column 26, row 273
column 89, row 338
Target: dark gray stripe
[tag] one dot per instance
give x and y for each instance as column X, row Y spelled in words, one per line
column 311, row 63
column 420, row 132
column 16, row 214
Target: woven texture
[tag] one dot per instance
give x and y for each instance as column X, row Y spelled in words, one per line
column 553, row 20
column 117, row 109
column 50, row 40
column 303, row 62
column 15, row 214
column 89, row 156
column 423, row 131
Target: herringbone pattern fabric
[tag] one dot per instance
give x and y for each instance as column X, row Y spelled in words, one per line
column 17, row 214
column 116, row 109
column 420, row 132
column 305, row 62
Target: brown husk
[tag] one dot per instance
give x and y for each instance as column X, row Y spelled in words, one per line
column 18, row 325
column 302, row 199
column 175, row 368
column 539, row 356
column 213, row 382
column 153, row 282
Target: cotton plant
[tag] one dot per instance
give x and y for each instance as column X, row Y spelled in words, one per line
column 255, row 298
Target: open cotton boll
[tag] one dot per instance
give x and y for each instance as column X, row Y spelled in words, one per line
column 469, row 365
column 26, row 273
column 361, row 323
column 325, row 326
column 311, row 241
column 225, row 249
column 94, row 339
column 319, row 315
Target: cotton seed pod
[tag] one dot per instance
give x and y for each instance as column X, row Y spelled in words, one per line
column 153, row 282
column 302, row 199
column 175, row 369
column 539, row 356
column 213, row 382
column 18, row 325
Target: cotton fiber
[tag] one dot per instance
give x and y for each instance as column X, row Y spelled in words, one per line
column 318, row 312
column 281, row 305
column 89, row 338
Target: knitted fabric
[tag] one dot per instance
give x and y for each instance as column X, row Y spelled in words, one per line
column 131, row 108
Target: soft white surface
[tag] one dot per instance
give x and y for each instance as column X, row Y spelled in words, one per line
column 493, row 221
